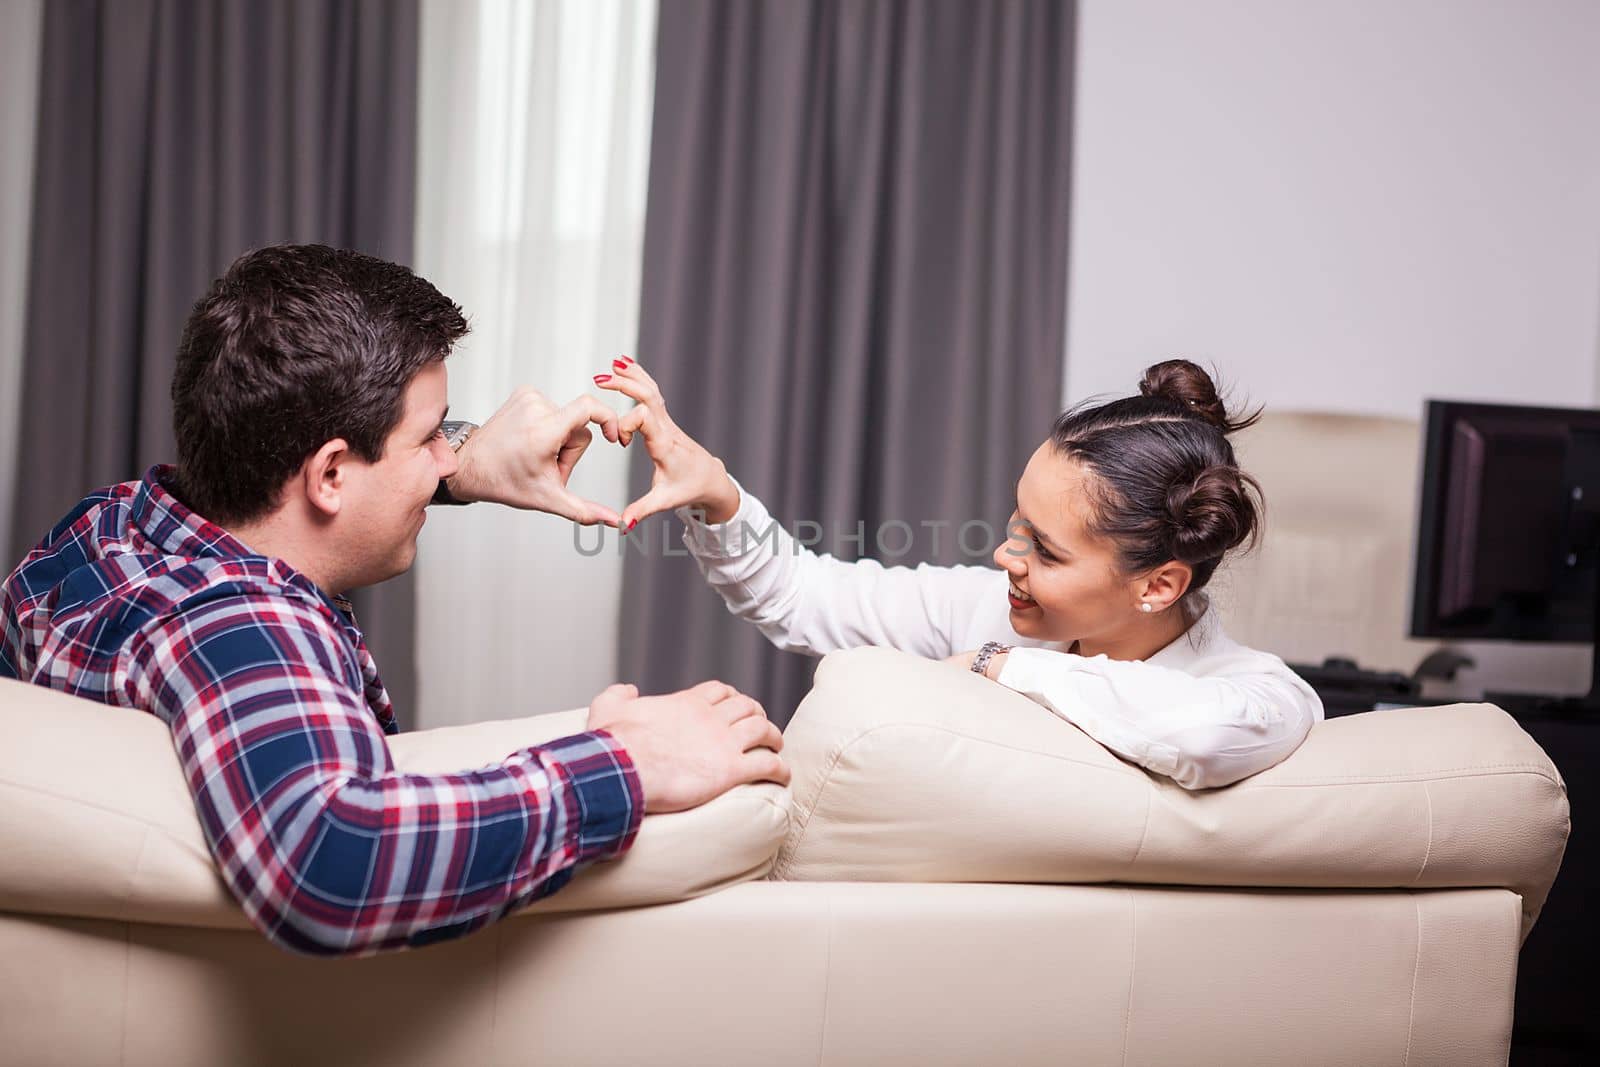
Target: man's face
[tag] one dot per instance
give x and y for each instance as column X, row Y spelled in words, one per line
column 386, row 501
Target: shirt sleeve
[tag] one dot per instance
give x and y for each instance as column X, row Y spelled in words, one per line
column 1202, row 732
column 329, row 850
column 816, row 604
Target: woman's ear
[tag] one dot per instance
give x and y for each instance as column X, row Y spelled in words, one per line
column 1164, row 586
column 323, row 475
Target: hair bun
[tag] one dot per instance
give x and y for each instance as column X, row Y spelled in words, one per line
column 1213, row 513
column 1189, row 386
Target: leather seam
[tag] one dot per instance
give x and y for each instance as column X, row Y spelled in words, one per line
column 1427, row 853
column 827, row 983
column 1489, row 770
column 1144, row 834
column 1416, row 969
column 127, row 999
column 1133, row 963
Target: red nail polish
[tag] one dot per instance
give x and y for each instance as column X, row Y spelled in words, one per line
column 633, row 523
column 617, row 363
column 601, row 379
column 628, row 360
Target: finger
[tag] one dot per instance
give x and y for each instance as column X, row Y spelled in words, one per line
column 620, row 382
column 583, row 512
column 763, row 765
column 638, row 419
column 742, row 707
column 526, row 394
column 758, row 733
column 634, row 419
column 612, row 696
column 616, row 691
column 585, row 409
column 632, row 380
column 572, row 450
column 632, row 372
column 714, row 692
column 657, row 500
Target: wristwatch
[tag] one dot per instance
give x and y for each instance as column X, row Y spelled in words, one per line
column 456, row 432
column 990, row 649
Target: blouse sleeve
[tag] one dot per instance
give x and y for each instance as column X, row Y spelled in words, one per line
column 1247, row 712
column 806, row 602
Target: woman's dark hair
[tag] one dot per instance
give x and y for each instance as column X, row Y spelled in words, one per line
column 292, row 347
column 1165, row 484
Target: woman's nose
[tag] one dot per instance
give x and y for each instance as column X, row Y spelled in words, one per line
column 1008, row 558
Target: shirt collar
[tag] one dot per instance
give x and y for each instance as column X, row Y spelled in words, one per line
column 174, row 528
column 178, row 530
column 1195, row 642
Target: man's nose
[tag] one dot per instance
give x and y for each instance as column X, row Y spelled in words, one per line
column 449, row 462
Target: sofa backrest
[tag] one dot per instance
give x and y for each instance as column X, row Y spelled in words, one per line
column 912, row 770
column 96, row 820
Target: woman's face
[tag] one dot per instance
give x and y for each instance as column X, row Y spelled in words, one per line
column 1065, row 585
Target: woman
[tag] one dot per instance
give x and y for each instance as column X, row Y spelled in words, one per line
column 1096, row 610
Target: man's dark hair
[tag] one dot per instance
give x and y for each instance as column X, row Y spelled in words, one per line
column 292, row 347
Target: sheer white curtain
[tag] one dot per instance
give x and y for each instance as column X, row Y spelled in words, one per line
column 19, row 93
column 533, row 152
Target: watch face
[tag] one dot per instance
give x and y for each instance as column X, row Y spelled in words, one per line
column 456, row 432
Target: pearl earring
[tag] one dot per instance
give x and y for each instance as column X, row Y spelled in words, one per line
column 1147, row 607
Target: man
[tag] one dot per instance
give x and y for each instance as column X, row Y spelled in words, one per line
column 308, row 399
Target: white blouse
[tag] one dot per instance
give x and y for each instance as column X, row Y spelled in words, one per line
column 1204, row 711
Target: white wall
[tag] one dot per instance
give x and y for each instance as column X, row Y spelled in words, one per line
column 1346, row 207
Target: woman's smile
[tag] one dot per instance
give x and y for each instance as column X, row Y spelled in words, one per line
column 1020, row 601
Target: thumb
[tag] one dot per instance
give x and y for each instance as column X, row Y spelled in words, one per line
column 583, row 512
column 609, row 700
column 657, row 500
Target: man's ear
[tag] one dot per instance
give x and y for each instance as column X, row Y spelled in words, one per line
column 323, row 477
column 1164, row 586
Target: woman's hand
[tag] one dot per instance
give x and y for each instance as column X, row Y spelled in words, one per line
column 686, row 475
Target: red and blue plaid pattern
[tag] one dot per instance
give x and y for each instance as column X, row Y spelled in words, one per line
column 279, row 718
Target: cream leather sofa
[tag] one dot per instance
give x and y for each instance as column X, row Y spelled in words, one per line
column 956, row 877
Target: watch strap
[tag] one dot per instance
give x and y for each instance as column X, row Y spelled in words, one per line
column 980, row 662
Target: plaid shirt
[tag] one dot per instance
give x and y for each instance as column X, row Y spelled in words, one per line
column 279, row 718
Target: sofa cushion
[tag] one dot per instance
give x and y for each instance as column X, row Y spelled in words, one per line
column 96, row 821
column 911, row 770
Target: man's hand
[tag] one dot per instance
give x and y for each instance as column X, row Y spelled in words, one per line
column 693, row 745
column 685, row 474
column 524, row 454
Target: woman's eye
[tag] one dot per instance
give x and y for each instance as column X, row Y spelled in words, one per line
column 1039, row 550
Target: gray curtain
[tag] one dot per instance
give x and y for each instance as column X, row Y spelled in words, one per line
column 173, row 136
column 854, row 288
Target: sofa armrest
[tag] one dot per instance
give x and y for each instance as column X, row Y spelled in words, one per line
column 96, row 820
column 909, row 770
